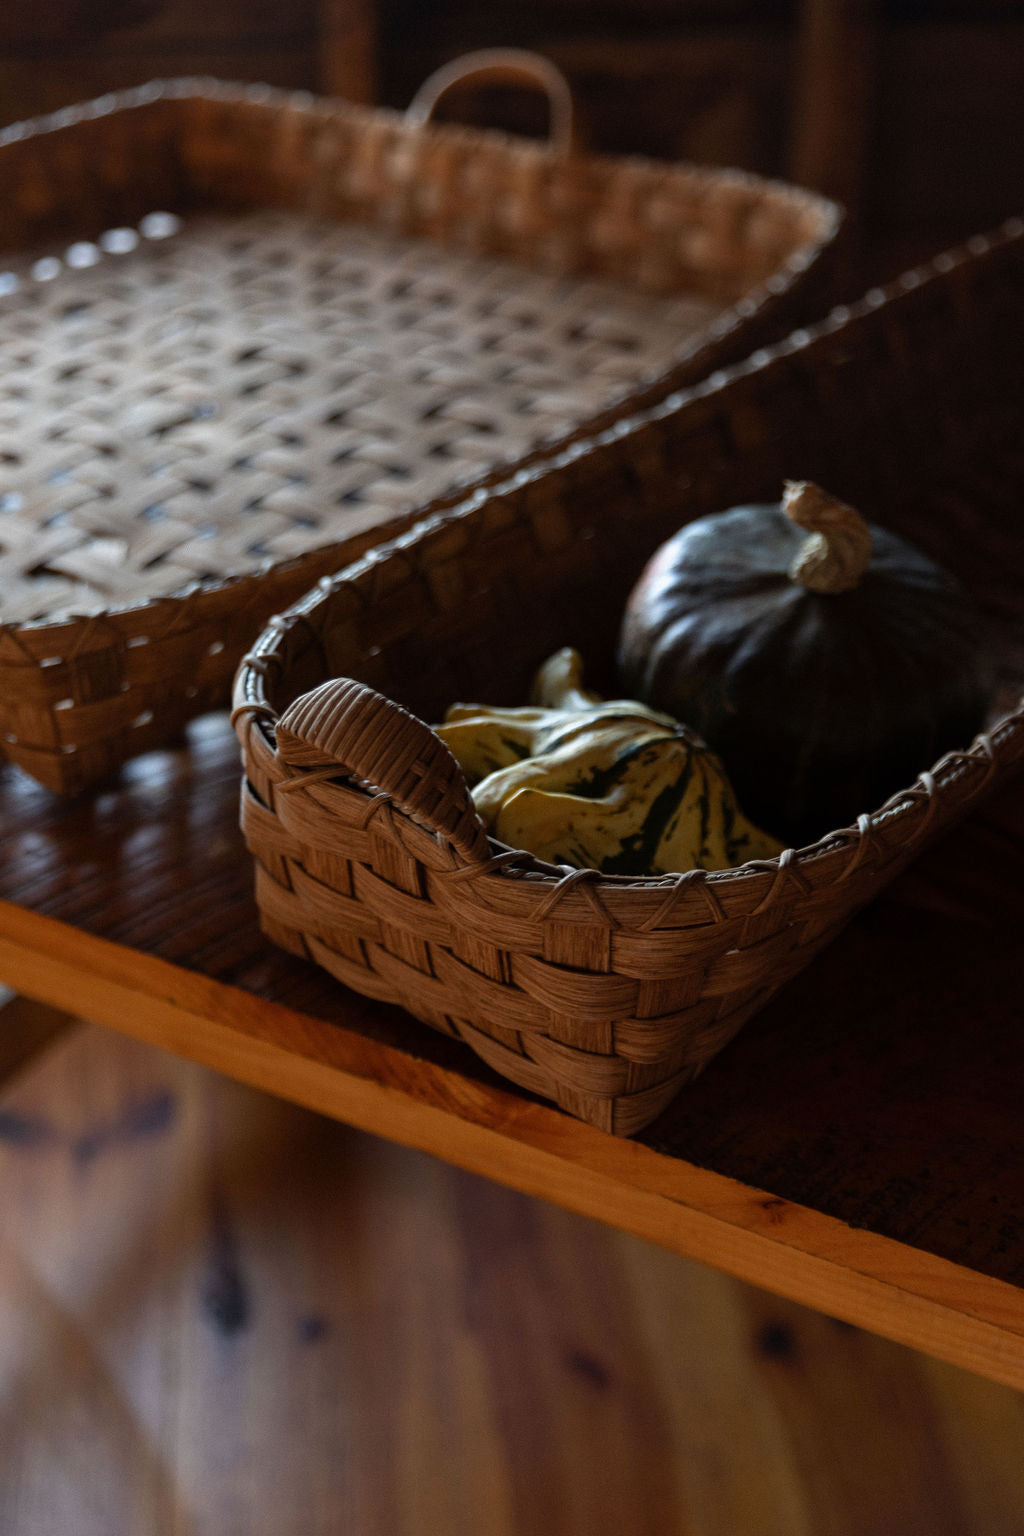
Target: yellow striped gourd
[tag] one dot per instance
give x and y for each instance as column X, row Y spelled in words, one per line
column 601, row 784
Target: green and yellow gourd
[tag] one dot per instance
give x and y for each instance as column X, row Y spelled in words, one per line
column 600, row 784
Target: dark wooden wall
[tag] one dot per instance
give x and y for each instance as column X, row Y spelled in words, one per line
column 57, row 51
column 911, row 111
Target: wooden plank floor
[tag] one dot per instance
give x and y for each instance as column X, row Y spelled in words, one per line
column 221, row 1315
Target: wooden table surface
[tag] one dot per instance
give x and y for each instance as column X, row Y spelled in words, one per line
column 859, row 1147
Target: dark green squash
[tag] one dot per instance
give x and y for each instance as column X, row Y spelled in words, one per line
column 824, row 659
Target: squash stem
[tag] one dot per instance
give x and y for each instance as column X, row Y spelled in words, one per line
column 838, row 550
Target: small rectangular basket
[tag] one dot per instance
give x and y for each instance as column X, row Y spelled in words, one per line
column 243, row 333
column 603, row 993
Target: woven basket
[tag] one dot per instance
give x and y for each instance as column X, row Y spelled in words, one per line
column 606, row 994
column 347, row 317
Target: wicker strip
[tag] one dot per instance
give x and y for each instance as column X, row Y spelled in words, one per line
column 346, row 319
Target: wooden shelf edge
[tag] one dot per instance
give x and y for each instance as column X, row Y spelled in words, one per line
column 905, row 1294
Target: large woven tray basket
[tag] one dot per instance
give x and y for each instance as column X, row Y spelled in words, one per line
column 607, row 994
column 242, row 332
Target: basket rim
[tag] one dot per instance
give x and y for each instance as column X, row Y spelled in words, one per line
column 214, row 88
column 188, row 88
column 930, row 783
column 949, row 769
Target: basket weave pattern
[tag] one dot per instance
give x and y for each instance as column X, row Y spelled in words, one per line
column 230, row 392
column 606, row 994
column 358, row 319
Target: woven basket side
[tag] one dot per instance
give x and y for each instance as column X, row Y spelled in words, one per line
column 177, row 143
column 606, row 1005
column 80, row 699
column 659, row 227
column 368, row 913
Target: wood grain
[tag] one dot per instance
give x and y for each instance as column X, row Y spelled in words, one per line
column 834, row 75
column 104, row 26
column 221, row 1314
column 864, row 1182
column 347, row 49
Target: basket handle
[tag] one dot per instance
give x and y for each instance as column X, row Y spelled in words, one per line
column 346, row 725
column 501, row 66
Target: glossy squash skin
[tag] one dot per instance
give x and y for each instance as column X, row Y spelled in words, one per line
column 820, row 704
